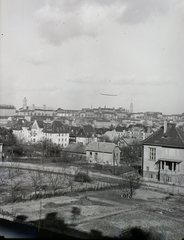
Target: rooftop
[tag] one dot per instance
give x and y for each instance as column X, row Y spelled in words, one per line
column 101, row 147
column 173, row 137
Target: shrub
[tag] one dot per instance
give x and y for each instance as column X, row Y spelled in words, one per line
column 82, row 177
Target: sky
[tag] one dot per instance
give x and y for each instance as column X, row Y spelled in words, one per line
column 64, row 53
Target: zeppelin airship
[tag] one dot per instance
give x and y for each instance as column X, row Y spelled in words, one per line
column 108, row 94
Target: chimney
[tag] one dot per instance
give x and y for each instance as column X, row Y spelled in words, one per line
column 165, row 126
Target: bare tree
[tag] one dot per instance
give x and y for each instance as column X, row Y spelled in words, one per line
column 55, row 180
column 36, row 180
column 130, row 183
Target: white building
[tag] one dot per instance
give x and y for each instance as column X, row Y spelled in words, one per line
column 57, row 133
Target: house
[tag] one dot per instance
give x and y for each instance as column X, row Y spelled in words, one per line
column 103, row 153
column 21, row 129
column 76, row 150
column 121, row 131
column 73, row 134
column 36, row 133
column 163, row 154
column 86, row 134
column 57, row 132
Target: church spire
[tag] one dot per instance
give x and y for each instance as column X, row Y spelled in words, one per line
column 131, row 106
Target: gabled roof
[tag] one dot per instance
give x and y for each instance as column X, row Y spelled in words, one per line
column 75, row 148
column 174, row 137
column 86, row 131
column 105, row 147
column 74, row 130
column 121, row 128
column 55, row 127
column 40, row 123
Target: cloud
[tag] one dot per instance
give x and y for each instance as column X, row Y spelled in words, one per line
column 133, row 12
column 129, row 80
column 35, row 57
column 155, row 81
column 35, row 87
column 57, row 25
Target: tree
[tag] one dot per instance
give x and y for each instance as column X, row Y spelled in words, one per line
column 7, row 137
column 36, row 180
column 130, row 183
column 55, row 180
column 65, row 157
column 48, row 148
column 130, row 153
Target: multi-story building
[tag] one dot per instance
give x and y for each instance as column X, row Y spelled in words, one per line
column 32, row 111
column 6, row 111
column 56, row 132
column 86, row 134
column 163, row 154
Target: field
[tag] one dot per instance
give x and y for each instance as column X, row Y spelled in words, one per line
column 105, row 212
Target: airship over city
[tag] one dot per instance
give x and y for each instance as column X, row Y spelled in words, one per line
column 108, row 94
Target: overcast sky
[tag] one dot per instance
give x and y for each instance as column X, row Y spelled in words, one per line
column 63, row 53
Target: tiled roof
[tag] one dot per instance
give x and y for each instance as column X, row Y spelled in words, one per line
column 55, row 127
column 105, row 147
column 89, row 130
column 74, row 130
column 174, row 137
column 75, row 148
column 40, row 123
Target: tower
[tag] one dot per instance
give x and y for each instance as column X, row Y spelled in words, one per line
column 131, row 107
column 24, row 103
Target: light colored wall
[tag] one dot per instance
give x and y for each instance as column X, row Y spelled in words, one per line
column 162, row 152
column 7, row 112
column 61, row 139
column 85, row 141
column 103, row 158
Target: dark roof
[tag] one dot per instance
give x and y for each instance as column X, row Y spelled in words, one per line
column 74, row 130
column 40, row 123
column 120, row 128
column 5, row 106
column 75, row 148
column 86, row 131
column 174, row 137
column 55, row 127
column 105, row 147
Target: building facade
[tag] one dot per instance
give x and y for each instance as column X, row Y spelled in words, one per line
column 103, row 153
column 163, row 154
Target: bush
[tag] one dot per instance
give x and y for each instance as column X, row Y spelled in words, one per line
column 82, row 177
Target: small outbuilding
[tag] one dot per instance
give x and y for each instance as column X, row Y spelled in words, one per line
column 103, row 153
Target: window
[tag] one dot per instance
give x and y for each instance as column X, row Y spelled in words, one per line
column 168, row 179
column 147, row 168
column 152, row 153
column 90, row 153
